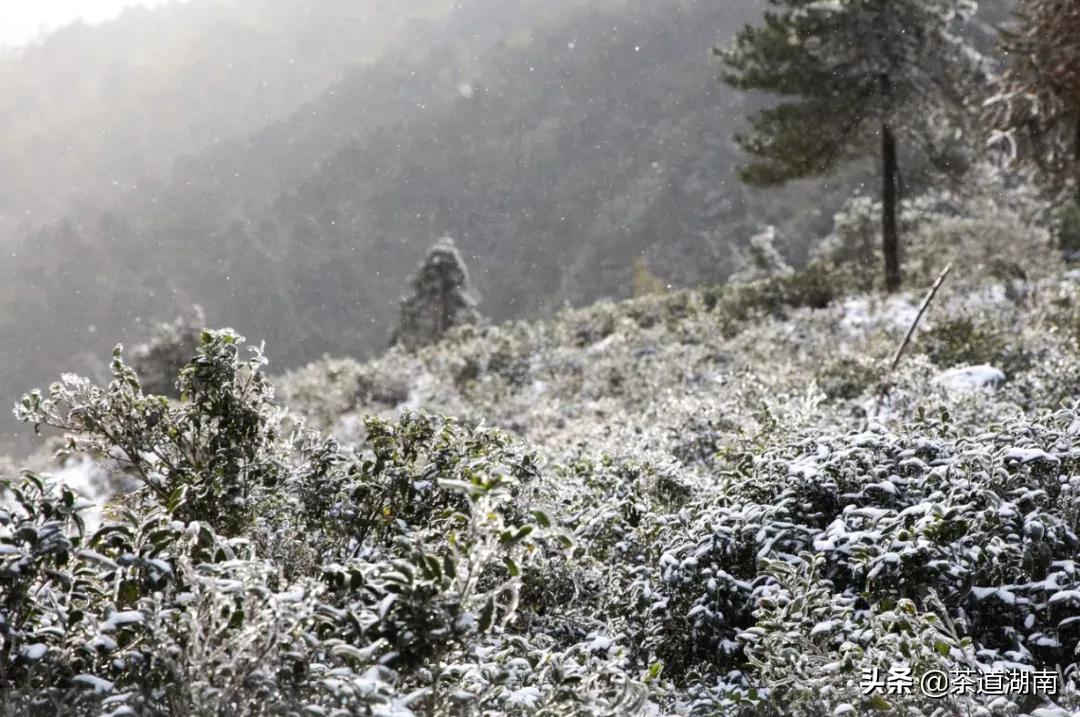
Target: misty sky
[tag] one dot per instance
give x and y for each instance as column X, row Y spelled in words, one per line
column 22, row 21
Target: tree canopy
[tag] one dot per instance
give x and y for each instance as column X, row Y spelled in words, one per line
column 1036, row 113
column 442, row 297
column 859, row 72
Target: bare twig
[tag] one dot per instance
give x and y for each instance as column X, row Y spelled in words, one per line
column 918, row 317
column 884, row 387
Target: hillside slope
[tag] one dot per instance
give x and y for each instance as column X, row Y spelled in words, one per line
column 93, row 112
column 310, row 222
column 746, row 480
column 808, row 350
column 288, row 185
column 705, row 501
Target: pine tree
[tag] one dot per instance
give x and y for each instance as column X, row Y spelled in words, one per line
column 442, row 297
column 865, row 75
column 1036, row 113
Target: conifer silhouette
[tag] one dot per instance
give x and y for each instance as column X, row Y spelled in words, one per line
column 442, row 298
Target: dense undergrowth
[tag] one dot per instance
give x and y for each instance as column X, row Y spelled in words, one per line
column 714, row 501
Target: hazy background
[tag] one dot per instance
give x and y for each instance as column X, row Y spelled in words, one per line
column 285, row 164
column 27, row 21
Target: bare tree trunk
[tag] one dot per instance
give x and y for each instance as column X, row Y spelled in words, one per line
column 890, row 239
column 1076, row 158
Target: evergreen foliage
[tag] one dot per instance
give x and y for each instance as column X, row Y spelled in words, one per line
column 708, row 559
column 761, row 259
column 442, row 297
column 720, row 500
column 1036, row 113
column 259, row 570
column 888, row 73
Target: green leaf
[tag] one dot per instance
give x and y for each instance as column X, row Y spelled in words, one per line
column 433, row 567
column 512, row 567
column 128, row 592
column 543, row 519
column 176, row 498
column 508, row 537
column 879, row 703
column 450, row 565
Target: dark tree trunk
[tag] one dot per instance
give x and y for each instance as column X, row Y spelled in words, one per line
column 446, row 299
column 1076, row 158
column 890, row 239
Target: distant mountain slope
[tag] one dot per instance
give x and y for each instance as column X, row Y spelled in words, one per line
column 559, row 143
column 555, row 141
column 95, row 111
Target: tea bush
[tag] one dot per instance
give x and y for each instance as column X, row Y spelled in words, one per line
column 712, row 501
column 258, row 572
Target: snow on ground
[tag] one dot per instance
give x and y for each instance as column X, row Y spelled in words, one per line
column 861, row 315
column 971, row 378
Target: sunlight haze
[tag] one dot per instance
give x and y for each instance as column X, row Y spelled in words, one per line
column 23, row 21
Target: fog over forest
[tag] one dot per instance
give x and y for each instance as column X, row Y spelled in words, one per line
column 285, row 164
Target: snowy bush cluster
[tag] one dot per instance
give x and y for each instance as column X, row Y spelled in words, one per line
column 698, row 502
column 257, row 571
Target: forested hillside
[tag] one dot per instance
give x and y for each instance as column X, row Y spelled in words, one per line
column 285, row 164
column 558, row 140
column 127, row 98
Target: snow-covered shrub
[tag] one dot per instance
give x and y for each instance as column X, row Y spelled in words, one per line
column 983, row 241
column 970, row 341
column 702, row 595
column 855, row 240
column 210, row 458
column 815, row 286
column 812, row 647
column 848, row 377
column 1066, row 227
column 998, row 232
column 330, row 388
column 987, row 524
column 760, row 260
column 1063, row 315
column 718, row 501
column 255, row 572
